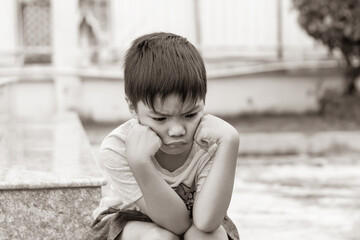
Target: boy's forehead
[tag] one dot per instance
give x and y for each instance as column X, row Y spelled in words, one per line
column 173, row 104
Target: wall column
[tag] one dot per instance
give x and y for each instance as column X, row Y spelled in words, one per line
column 65, row 51
column 8, row 32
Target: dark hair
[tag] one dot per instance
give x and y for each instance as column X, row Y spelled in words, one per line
column 160, row 64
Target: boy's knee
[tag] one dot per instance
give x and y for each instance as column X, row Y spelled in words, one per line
column 194, row 233
column 146, row 231
column 158, row 233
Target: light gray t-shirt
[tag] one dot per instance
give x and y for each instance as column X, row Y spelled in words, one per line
column 122, row 190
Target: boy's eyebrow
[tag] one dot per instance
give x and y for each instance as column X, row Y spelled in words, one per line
column 159, row 113
column 196, row 107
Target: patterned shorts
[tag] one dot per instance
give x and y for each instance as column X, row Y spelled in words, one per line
column 111, row 227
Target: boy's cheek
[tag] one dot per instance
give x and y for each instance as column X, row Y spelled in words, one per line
column 201, row 119
column 196, row 128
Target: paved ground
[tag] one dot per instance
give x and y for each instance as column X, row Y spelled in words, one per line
column 297, row 197
column 291, row 197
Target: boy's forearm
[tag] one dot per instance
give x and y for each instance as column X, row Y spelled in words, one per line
column 163, row 205
column 213, row 201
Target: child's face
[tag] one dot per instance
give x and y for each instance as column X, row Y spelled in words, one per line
column 174, row 121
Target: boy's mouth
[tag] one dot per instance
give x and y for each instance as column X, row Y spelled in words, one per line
column 176, row 144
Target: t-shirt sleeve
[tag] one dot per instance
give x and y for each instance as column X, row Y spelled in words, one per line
column 119, row 175
column 205, row 167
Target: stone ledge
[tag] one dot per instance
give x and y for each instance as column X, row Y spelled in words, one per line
column 47, row 213
column 49, row 181
column 49, row 152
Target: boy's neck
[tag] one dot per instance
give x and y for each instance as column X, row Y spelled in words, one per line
column 171, row 162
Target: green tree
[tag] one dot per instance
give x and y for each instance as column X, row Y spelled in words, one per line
column 336, row 23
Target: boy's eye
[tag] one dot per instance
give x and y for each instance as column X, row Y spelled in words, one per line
column 191, row 115
column 159, row 119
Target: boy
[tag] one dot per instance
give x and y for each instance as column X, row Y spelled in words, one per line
column 171, row 168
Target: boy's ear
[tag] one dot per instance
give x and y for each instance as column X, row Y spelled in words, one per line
column 132, row 108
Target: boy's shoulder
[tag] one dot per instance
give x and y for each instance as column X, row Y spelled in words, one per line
column 117, row 137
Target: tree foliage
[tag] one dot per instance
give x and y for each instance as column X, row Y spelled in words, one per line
column 336, row 23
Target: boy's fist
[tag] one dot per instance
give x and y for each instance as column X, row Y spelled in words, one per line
column 212, row 129
column 142, row 143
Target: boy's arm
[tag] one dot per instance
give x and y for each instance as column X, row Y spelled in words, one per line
column 214, row 198
column 160, row 202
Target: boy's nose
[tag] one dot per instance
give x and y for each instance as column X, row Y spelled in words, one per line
column 176, row 130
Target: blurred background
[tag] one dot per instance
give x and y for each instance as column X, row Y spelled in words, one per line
column 285, row 73
column 67, row 55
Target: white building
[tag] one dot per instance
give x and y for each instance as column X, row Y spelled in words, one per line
column 67, row 54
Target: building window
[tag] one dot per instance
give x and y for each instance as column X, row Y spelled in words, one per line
column 35, row 31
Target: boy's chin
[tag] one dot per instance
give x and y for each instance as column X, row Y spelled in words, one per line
column 175, row 150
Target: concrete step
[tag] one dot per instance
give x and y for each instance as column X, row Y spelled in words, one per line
column 49, row 181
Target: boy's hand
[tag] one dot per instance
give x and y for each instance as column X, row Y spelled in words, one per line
column 142, row 143
column 214, row 130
